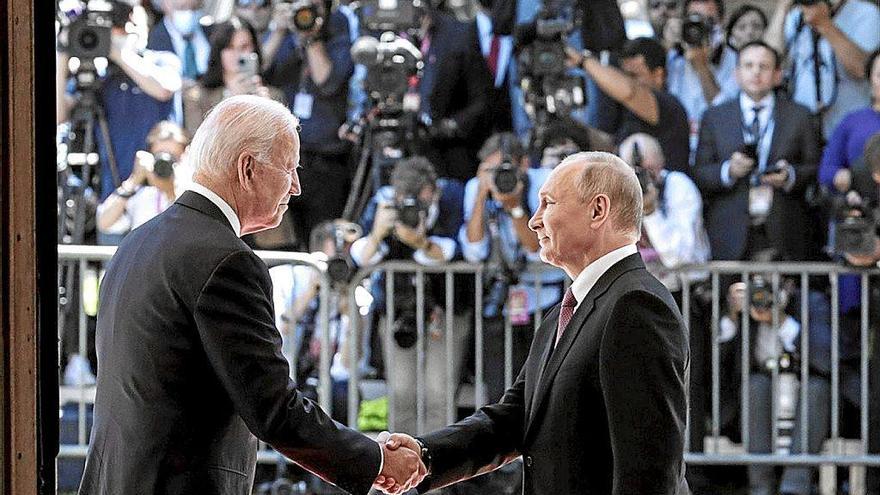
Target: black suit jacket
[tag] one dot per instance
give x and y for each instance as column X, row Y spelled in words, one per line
column 191, row 369
column 455, row 84
column 727, row 208
column 603, row 413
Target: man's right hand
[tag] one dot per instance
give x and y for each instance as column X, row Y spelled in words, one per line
column 383, row 224
column 740, row 165
column 403, row 468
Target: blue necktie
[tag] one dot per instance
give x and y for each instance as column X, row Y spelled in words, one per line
column 190, row 69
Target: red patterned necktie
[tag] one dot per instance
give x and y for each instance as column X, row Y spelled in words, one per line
column 565, row 313
column 493, row 56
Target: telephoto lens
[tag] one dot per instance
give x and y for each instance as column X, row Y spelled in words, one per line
column 506, row 177
column 163, row 165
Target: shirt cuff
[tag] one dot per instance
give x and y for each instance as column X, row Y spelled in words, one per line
column 446, row 245
column 381, row 459
column 473, row 252
column 789, row 182
column 357, row 251
column 725, row 174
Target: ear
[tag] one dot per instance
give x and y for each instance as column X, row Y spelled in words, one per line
column 245, row 168
column 599, row 210
column 777, row 77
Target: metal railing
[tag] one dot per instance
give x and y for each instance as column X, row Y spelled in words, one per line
column 804, row 274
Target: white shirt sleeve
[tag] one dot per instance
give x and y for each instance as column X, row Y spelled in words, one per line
column 357, row 253
column 677, row 234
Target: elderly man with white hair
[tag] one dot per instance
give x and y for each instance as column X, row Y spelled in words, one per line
column 600, row 405
column 191, row 370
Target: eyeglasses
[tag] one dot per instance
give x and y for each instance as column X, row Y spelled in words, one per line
column 669, row 4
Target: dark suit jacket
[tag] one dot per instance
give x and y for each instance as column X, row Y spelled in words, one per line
column 191, row 369
column 606, row 416
column 455, row 84
column 727, row 208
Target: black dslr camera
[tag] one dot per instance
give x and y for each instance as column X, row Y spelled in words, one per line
column 305, row 15
column 761, row 294
column 89, row 31
column 163, row 165
column 410, row 211
column 695, row 30
column 855, row 229
column 642, row 173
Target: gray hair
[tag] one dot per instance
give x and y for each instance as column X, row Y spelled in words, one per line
column 243, row 123
column 607, row 174
column 648, row 146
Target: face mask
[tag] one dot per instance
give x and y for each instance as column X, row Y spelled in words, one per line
column 185, row 21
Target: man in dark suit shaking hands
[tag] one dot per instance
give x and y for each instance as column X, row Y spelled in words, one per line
column 191, row 370
column 600, row 404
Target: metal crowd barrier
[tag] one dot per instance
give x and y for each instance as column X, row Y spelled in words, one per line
column 802, row 272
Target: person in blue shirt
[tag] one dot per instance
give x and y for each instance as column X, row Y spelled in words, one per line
column 135, row 93
column 314, row 73
column 496, row 230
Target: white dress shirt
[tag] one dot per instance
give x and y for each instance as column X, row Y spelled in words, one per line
column 505, row 46
column 591, row 274
column 227, row 210
column 676, row 230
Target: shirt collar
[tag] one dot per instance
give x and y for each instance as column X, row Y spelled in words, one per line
column 227, row 210
column 591, row 274
column 748, row 105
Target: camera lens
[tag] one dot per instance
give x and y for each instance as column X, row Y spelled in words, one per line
column 163, row 165
column 305, row 18
column 88, row 39
column 506, row 178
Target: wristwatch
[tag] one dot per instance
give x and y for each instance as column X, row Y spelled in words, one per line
column 517, row 212
column 424, row 453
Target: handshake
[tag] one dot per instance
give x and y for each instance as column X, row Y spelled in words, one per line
column 403, row 468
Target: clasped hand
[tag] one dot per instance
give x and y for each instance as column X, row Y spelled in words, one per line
column 403, row 468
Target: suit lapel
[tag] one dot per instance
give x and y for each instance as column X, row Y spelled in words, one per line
column 736, row 124
column 778, row 113
column 578, row 321
column 549, row 334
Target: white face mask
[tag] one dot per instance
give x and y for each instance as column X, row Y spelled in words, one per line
column 185, row 21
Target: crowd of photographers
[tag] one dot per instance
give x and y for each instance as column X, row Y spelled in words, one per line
column 429, row 127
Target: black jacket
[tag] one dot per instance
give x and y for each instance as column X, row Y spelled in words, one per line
column 604, row 413
column 191, row 369
column 727, row 208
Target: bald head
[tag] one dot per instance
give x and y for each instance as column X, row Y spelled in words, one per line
column 240, row 124
column 597, row 172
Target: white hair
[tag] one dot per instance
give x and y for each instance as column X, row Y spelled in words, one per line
column 605, row 173
column 648, row 146
column 243, row 123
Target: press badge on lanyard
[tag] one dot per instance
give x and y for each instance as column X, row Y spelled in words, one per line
column 518, row 306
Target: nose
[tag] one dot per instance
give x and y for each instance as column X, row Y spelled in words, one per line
column 536, row 222
column 295, row 189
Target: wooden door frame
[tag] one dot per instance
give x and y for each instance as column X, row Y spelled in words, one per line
column 28, row 259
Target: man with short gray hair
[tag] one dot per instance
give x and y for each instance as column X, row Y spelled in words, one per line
column 191, row 367
column 600, row 405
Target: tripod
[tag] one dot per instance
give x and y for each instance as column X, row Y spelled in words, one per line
column 76, row 197
column 386, row 140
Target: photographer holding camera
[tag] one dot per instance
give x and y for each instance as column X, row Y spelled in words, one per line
column 756, row 156
column 416, row 217
column 233, row 69
column 672, row 228
column 641, row 88
column 827, row 43
column 497, row 206
column 694, row 61
column 152, row 186
column 774, row 345
column 135, row 82
column 313, row 68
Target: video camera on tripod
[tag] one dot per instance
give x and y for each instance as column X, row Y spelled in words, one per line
column 394, row 65
column 550, row 91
